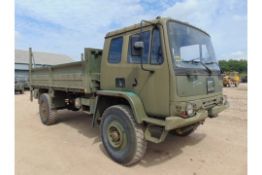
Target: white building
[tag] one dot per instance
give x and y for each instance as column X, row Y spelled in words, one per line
column 40, row 59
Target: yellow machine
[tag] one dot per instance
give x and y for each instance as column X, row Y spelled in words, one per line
column 231, row 79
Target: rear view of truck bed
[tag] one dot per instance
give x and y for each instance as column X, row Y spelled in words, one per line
column 81, row 76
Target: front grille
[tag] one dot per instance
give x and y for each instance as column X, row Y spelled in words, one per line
column 209, row 104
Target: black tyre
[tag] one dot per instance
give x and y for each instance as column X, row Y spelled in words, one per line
column 22, row 91
column 47, row 114
column 122, row 137
column 185, row 131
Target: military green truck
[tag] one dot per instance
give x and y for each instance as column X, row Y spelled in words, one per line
column 152, row 78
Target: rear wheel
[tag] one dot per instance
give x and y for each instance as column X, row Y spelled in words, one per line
column 185, row 131
column 47, row 114
column 122, row 137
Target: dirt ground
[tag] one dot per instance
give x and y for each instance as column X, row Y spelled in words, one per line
column 73, row 147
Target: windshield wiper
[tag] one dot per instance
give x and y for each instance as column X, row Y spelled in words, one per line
column 192, row 60
column 207, row 68
column 211, row 62
column 199, row 61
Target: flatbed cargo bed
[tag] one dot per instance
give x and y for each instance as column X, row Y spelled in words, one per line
column 80, row 76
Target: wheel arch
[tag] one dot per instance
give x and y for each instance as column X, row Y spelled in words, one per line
column 107, row 98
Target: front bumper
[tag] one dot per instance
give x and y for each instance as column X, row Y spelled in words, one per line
column 213, row 112
column 174, row 122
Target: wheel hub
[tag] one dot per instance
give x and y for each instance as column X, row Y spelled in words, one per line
column 116, row 135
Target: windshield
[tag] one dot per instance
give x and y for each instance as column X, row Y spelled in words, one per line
column 190, row 47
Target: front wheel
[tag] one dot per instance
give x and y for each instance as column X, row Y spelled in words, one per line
column 122, row 137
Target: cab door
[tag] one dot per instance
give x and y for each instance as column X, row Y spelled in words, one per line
column 149, row 80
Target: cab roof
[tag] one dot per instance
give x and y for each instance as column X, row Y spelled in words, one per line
column 158, row 20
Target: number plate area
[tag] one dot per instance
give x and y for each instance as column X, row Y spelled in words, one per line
column 210, row 85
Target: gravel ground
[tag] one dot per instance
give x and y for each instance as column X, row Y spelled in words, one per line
column 73, row 147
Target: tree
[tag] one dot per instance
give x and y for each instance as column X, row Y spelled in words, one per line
column 233, row 65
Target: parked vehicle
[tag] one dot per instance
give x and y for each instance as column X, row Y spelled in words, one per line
column 19, row 86
column 231, row 79
column 150, row 79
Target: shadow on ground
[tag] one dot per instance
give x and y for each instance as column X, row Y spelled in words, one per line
column 80, row 121
column 156, row 153
column 169, row 149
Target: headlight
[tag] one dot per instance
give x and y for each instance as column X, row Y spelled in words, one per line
column 189, row 109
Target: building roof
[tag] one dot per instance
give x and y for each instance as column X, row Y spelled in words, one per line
column 44, row 58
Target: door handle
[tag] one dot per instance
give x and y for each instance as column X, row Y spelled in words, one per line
column 135, row 83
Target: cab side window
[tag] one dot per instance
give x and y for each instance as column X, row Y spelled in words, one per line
column 156, row 49
column 132, row 56
column 115, row 50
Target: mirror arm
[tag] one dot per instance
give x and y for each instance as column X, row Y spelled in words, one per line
column 141, row 58
column 144, row 69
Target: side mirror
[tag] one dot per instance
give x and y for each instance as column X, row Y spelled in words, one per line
column 139, row 45
column 137, row 49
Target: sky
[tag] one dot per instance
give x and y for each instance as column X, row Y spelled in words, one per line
column 68, row 26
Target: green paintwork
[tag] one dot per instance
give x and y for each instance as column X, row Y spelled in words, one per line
column 78, row 76
column 217, row 109
column 157, row 97
column 174, row 122
column 196, row 85
column 132, row 98
column 152, row 88
column 149, row 137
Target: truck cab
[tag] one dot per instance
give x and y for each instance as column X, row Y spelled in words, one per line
column 174, row 73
